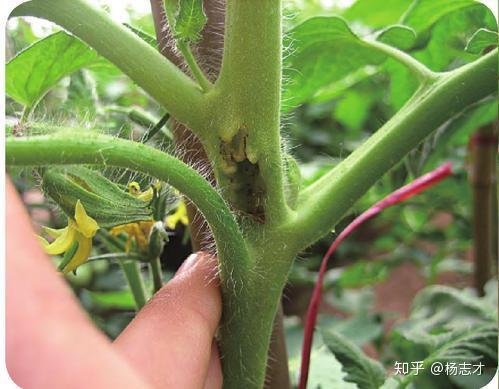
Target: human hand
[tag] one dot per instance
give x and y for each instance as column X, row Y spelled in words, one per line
column 51, row 343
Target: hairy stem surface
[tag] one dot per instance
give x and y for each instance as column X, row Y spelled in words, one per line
column 246, row 108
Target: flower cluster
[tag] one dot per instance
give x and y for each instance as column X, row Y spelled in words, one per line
column 75, row 240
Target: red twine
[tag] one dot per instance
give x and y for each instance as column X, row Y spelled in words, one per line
column 409, row 190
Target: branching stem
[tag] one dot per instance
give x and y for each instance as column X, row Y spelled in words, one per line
column 423, row 74
column 322, row 204
column 248, row 93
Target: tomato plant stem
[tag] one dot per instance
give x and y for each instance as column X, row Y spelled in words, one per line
column 423, row 74
column 156, row 274
column 135, row 282
column 430, row 107
column 237, row 120
column 247, row 97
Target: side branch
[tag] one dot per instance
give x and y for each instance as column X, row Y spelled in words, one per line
column 418, row 69
column 141, row 62
column 323, row 203
column 66, row 148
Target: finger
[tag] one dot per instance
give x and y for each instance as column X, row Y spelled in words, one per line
column 214, row 377
column 50, row 343
column 170, row 340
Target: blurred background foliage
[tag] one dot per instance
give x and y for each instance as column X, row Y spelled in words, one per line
column 375, row 273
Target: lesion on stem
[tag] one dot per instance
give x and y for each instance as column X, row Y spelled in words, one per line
column 247, row 105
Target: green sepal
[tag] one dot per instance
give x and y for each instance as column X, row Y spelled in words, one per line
column 159, row 203
column 68, row 256
column 157, row 240
column 103, row 200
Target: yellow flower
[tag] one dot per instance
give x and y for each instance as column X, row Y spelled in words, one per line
column 180, row 215
column 139, row 231
column 79, row 231
column 134, row 190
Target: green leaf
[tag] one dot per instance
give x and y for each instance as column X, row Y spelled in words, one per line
column 443, row 51
column 323, row 50
column 458, row 131
column 82, row 96
column 32, row 72
column 143, row 35
column 439, row 312
column 467, row 345
column 472, row 345
column 377, row 13
column 399, row 36
column 353, row 109
column 361, row 273
column 392, row 382
column 325, row 370
column 190, row 20
column 361, row 370
column 424, row 13
column 481, row 40
column 450, row 35
column 415, row 217
column 337, row 88
column 360, row 329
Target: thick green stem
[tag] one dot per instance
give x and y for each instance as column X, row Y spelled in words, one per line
column 66, row 148
column 322, row 204
column 245, row 334
column 141, row 62
column 134, row 279
column 245, row 146
column 246, row 100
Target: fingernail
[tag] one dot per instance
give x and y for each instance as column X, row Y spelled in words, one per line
column 188, row 263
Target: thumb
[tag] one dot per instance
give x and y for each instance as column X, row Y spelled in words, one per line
column 170, row 340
